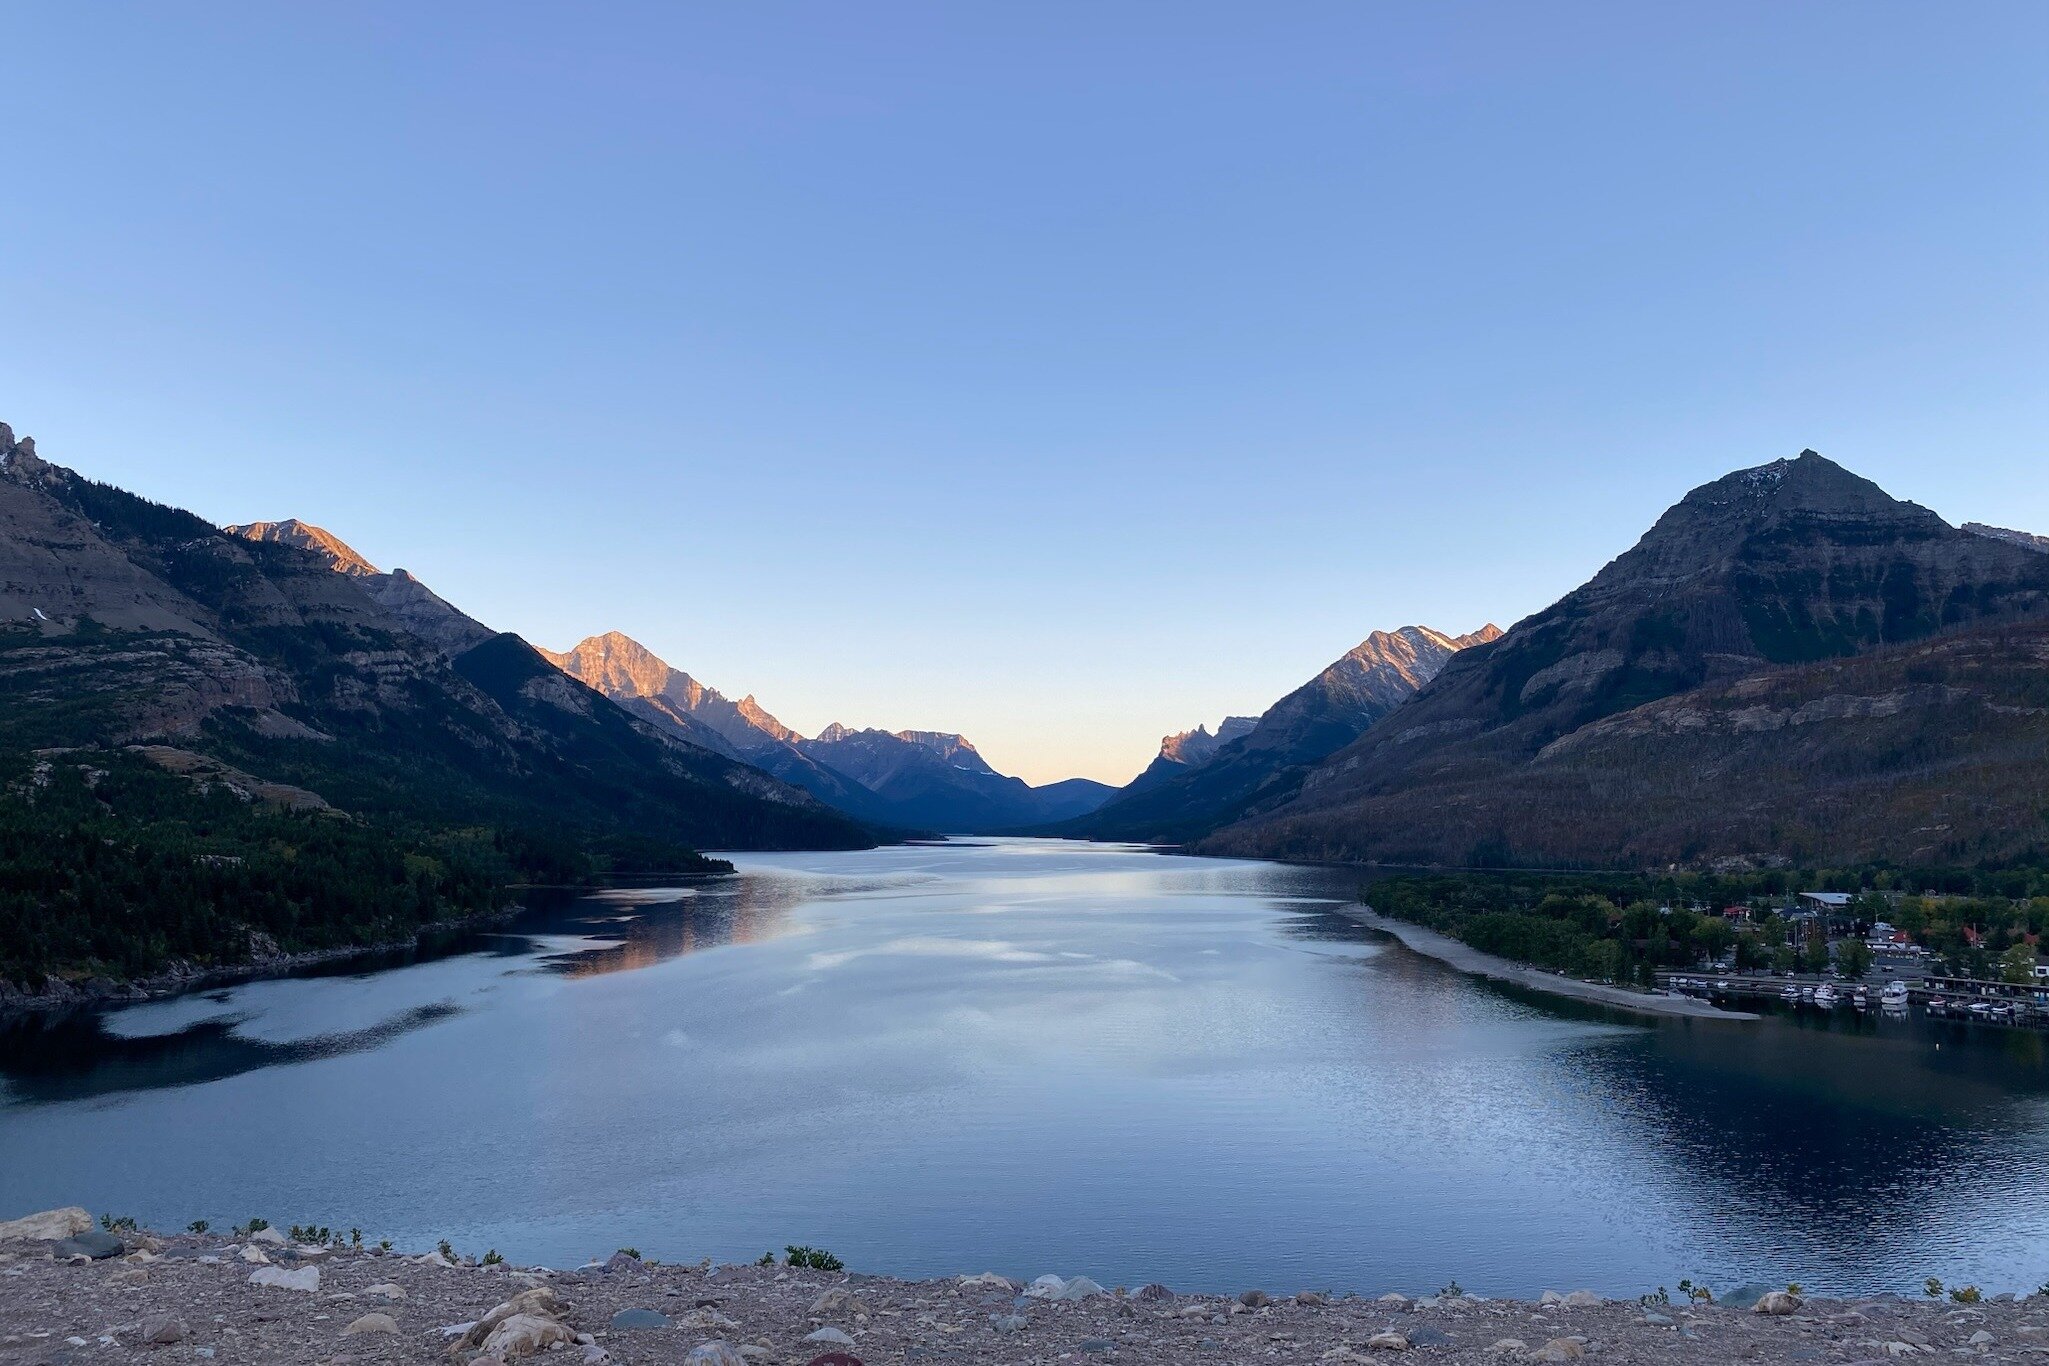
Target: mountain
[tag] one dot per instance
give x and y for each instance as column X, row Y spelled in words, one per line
column 129, row 621
column 411, row 603
column 937, row 780
column 1188, row 751
column 635, row 677
column 1267, row 759
column 2027, row 540
column 1769, row 644
column 902, row 780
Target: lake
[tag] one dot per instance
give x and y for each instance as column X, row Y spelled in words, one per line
column 1029, row 1057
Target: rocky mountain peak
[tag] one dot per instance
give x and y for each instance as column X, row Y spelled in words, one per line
column 2027, row 540
column 18, row 457
column 291, row 531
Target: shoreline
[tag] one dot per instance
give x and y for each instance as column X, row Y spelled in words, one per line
column 1467, row 959
column 266, row 1298
column 182, row 979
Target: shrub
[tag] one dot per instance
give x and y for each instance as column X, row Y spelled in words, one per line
column 812, row 1259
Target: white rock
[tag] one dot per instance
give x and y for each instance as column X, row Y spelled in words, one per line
column 831, row 1335
column 385, row 1290
column 306, row 1278
column 988, row 1280
column 1388, row 1342
column 47, row 1226
column 1981, row 1338
column 371, row 1323
column 268, row 1236
column 717, row 1352
column 525, row 1334
column 1582, row 1299
column 1054, row 1288
column 1551, row 1297
column 254, row 1254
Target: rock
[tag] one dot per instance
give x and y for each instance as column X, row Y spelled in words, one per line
column 1981, row 1338
column 1551, row 1297
column 521, row 1335
column 306, row 1278
column 1776, row 1303
column 1255, row 1299
column 1153, row 1291
column 717, row 1352
column 269, row 1237
column 1398, row 1301
column 163, row 1330
column 1310, row 1299
column 988, row 1280
column 623, row 1261
column 1657, row 1320
column 385, row 1290
column 1582, row 1299
column 838, row 1300
column 371, row 1323
column 1389, row 1341
column 1054, row 1288
column 1423, row 1335
column 95, row 1243
column 1559, row 1349
column 830, row 1335
column 1503, row 1346
column 1095, row 1345
column 639, row 1318
column 253, row 1255
column 710, row 1320
column 1007, row 1323
column 537, row 1303
column 47, row 1226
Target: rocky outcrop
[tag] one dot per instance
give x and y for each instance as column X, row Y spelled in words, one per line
column 307, row 537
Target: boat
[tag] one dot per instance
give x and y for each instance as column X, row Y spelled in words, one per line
column 1980, row 1008
column 1895, row 994
column 1807, row 993
column 1825, row 996
column 1791, row 993
column 1860, row 1000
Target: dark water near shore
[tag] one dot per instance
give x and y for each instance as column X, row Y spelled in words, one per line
column 1033, row 1057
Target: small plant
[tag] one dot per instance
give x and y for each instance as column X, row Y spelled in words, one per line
column 1966, row 1294
column 491, row 1258
column 1699, row 1294
column 813, row 1259
column 384, row 1244
column 446, row 1249
column 1795, row 1288
column 1659, row 1296
column 355, row 1237
column 767, row 1259
column 112, row 1224
column 632, row 1252
column 315, row 1234
column 252, row 1227
column 1932, row 1288
column 198, row 1226
column 1454, row 1291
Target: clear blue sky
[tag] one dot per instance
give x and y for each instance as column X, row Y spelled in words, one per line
column 1062, row 374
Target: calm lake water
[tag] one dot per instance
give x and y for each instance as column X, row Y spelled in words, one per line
column 1028, row 1057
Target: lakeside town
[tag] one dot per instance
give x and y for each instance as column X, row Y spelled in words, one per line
column 1965, row 957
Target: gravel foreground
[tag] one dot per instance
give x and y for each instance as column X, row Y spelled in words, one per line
column 184, row 1298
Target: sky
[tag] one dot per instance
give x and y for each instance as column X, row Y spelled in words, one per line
column 1059, row 374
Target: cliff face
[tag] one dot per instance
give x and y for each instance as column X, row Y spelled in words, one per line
column 1264, row 761
column 1783, row 567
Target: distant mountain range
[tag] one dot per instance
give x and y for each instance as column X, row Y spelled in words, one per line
column 128, row 621
column 1201, row 782
column 1791, row 664
column 921, row 780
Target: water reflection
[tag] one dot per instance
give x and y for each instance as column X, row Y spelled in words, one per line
column 1033, row 1057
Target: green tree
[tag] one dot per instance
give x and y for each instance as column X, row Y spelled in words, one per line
column 2017, row 964
column 1853, row 958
